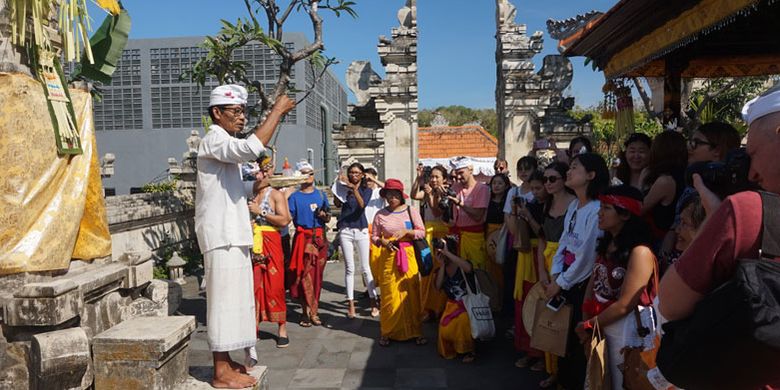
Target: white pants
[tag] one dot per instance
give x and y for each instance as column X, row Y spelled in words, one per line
column 230, row 301
column 351, row 238
column 623, row 333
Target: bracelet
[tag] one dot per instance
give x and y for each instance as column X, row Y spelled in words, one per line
column 587, row 325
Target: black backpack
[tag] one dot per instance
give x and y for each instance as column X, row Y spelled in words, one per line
column 732, row 340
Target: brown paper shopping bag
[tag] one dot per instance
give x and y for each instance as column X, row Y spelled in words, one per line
column 551, row 328
column 597, row 375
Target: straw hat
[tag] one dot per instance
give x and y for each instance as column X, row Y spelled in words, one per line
column 535, row 294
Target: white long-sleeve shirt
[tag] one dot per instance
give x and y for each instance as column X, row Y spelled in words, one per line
column 580, row 235
column 221, row 211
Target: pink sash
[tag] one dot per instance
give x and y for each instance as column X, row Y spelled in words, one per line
column 401, row 260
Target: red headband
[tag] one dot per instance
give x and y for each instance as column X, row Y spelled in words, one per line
column 632, row 205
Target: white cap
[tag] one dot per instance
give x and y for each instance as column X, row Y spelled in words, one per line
column 228, row 94
column 767, row 103
column 461, row 162
column 303, row 165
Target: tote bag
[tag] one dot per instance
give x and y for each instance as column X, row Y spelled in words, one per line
column 597, row 375
column 551, row 328
column 478, row 308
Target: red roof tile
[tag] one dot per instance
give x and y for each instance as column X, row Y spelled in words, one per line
column 452, row 141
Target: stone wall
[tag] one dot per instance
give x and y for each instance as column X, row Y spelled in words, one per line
column 144, row 223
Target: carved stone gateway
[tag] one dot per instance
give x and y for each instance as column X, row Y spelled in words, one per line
column 528, row 104
column 396, row 96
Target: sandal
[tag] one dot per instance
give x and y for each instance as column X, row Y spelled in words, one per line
column 469, row 357
column 538, row 366
column 305, row 323
column 548, row 383
column 523, row 362
column 315, row 320
column 384, row 342
column 374, row 312
column 421, row 341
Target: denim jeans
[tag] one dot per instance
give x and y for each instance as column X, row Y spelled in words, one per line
column 351, row 238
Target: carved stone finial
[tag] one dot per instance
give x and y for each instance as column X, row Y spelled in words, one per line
column 506, row 13
column 407, row 16
column 439, row 120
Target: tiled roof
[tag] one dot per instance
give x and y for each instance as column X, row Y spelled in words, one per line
column 452, row 141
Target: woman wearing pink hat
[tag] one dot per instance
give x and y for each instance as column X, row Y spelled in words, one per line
column 394, row 228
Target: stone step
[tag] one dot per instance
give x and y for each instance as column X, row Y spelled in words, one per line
column 202, row 379
column 143, row 353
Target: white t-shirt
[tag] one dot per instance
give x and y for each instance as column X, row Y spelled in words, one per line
column 373, row 205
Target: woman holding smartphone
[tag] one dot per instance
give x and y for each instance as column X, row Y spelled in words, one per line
column 620, row 294
column 573, row 262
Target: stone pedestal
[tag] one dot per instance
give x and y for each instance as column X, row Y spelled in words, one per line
column 61, row 360
column 143, row 353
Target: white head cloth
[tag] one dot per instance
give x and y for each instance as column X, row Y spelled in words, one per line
column 228, row 94
column 767, row 103
column 460, row 163
column 303, row 165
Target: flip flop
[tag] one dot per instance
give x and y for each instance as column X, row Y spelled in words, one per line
column 384, row 342
column 315, row 320
column 305, row 323
column 421, row 341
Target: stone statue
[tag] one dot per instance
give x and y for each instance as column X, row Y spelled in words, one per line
column 557, row 72
column 193, row 141
column 360, row 76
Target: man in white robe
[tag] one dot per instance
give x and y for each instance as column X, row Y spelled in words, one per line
column 222, row 224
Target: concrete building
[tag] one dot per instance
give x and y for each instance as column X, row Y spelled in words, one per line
column 147, row 112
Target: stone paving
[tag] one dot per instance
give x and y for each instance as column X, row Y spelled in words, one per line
column 344, row 354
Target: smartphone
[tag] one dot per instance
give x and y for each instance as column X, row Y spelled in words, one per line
column 556, row 303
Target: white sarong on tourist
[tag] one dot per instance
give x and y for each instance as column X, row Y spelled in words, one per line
column 230, row 303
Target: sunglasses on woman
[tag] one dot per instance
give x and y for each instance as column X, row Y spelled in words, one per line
column 550, row 179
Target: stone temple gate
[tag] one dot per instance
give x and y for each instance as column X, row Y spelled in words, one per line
column 529, row 104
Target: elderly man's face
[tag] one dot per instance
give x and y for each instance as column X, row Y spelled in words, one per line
column 232, row 118
column 762, row 146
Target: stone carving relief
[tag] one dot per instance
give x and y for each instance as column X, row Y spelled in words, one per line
column 360, row 76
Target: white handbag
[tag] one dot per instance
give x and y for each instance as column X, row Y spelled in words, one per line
column 478, row 308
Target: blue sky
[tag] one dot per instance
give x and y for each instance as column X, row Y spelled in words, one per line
column 456, row 47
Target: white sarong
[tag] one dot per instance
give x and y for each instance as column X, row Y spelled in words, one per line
column 230, row 302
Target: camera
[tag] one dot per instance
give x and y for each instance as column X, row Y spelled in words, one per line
column 449, row 241
column 426, row 174
column 724, row 178
column 445, row 204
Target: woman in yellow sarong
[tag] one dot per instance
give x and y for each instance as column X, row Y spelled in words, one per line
column 494, row 221
column 552, row 228
column 430, row 194
column 532, row 215
column 454, row 327
column 393, row 229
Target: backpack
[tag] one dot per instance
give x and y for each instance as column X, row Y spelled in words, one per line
column 732, row 339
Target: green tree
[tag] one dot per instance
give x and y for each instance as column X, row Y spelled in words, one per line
column 604, row 138
column 722, row 100
column 220, row 64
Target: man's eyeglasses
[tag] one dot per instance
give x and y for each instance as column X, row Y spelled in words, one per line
column 694, row 143
column 236, row 111
column 550, row 179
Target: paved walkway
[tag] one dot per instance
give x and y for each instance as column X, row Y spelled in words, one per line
column 344, row 354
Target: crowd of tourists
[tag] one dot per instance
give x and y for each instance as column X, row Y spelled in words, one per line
column 621, row 248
